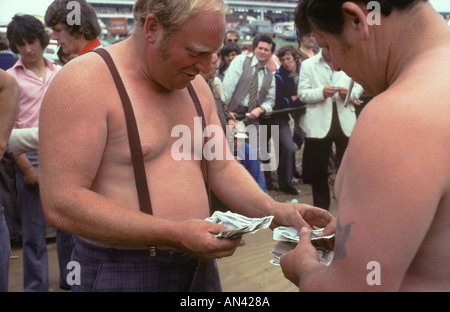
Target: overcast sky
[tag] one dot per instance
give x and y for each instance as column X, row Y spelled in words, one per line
column 8, row 8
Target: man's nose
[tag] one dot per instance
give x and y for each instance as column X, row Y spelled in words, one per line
column 28, row 48
column 204, row 63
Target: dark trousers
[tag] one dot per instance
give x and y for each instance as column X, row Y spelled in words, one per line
column 114, row 270
column 34, row 225
column 319, row 152
column 287, row 157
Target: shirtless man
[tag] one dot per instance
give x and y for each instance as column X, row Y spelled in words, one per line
column 87, row 177
column 393, row 186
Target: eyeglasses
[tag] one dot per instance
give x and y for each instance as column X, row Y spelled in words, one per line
column 233, row 40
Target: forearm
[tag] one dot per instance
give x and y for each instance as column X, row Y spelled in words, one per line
column 242, row 195
column 92, row 216
column 314, row 279
column 23, row 163
column 269, row 101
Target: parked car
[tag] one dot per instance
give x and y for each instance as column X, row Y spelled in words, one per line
column 289, row 35
column 51, row 51
column 243, row 31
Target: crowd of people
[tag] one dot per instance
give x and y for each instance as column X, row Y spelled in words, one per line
column 70, row 153
column 281, row 98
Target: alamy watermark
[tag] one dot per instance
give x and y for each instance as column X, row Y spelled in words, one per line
column 74, row 17
column 374, row 276
column 189, row 145
column 374, row 16
column 372, row 279
column 74, row 276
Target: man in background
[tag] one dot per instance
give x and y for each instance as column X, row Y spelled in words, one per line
column 33, row 73
column 76, row 38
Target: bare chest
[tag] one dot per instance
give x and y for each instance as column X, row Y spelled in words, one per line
column 174, row 183
column 160, row 120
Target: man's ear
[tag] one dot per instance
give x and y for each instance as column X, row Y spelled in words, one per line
column 356, row 16
column 151, row 27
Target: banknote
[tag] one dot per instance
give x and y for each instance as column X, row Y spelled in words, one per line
column 291, row 234
column 288, row 238
column 325, row 256
column 237, row 224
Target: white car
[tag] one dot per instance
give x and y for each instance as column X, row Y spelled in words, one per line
column 51, row 51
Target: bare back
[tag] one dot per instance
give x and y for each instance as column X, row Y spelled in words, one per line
column 396, row 174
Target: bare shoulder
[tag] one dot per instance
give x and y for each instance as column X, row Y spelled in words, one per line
column 417, row 101
column 409, row 122
column 81, row 87
column 82, row 74
column 76, row 104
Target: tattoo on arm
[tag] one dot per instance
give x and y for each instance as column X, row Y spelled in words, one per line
column 342, row 234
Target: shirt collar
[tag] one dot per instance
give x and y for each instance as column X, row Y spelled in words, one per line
column 256, row 62
column 20, row 63
column 91, row 45
column 320, row 57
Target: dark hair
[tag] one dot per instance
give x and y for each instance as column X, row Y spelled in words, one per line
column 326, row 15
column 288, row 49
column 263, row 38
column 231, row 31
column 227, row 49
column 26, row 28
column 89, row 27
column 3, row 43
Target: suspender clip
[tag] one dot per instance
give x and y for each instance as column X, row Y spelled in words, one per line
column 152, row 250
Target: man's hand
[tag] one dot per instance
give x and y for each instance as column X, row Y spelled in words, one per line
column 302, row 215
column 31, row 177
column 254, row 114
column 329, row 91
column 197, row 240
column 343, row 93
column 304, row 259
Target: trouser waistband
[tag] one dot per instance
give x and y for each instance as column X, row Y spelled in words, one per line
column 115, row 255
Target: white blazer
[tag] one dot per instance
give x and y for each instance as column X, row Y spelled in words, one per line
column 314, row 76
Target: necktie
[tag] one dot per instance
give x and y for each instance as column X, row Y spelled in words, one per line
column 253, row 99
column 219, row 105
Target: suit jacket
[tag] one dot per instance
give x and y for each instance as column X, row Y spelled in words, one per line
column 313, row 78
column 286, row 87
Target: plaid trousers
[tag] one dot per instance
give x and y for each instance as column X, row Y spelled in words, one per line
column 118, row 270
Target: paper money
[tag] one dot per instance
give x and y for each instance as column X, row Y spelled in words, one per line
column 280, row 249
column 238, row 224
column 292, row 234
column 288, row 238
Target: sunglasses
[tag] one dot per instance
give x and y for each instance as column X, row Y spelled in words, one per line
column 233, row 40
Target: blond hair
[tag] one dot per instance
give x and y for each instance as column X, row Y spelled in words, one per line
column 173, row 14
